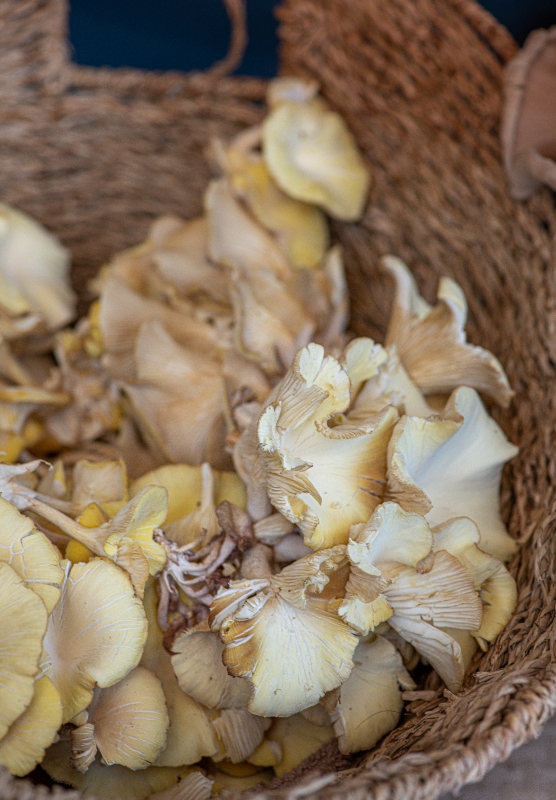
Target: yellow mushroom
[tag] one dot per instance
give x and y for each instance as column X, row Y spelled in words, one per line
column 95, row 634
column 24, row 745
column 313, row 156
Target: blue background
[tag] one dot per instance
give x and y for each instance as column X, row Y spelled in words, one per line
column 193, row 34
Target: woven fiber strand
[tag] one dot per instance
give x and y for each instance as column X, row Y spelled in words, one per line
column 96, row 154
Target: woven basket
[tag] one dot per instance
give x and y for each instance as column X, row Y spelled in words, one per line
column 96, row 154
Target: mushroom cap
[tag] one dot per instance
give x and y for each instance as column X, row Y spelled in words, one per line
column 30, row 554
column 451, row 466
column 529, row 116
column 370, row 701
column 95, row 634
column 313, row 157
column 130, row 720
column 23, row 747
column 431, row 341
column 35, row 266
column 23, row 620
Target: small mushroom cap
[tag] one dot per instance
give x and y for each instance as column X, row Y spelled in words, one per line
column 431, row 342
column 451, row 466
column 497, row 588
column 288, row 89
column 440, row 649
column 130, row 720
column 298, row 739
column 313, row 157
column 529, row 115
column 95, row 634
column 30, row 554
column 194, row 786
column 23, row 620
column 238, row 733
column 202, row 675
column 111, row 782
column 99, row 482
column 24, row 745
column 370, row 701
column 136, row 522
column 34, row 265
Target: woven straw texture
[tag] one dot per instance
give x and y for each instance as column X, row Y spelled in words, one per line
column 95, row 154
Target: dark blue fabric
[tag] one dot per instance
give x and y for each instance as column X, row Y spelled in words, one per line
column 193, row 34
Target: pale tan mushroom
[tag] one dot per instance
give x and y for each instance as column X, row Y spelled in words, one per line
column 298, row 739
column 370, row 702
column 291, row 615
column 23, row 620
column 34, row 268
column 126, row 722
column 432, row 344
column 529, row 115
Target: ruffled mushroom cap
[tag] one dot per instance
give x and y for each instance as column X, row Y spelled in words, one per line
column 202, row 675
column 497, row 588
column 298, row 739
column 313, row 156
column 95, row 634
column 451, row 466
column 529, row 116
column 291, row 612
column 24, row 745
column 126, row 722
column 322, row 478
column 23, row 620
column 431, row 342
column 370, row 701
column 378, row 380
column 395, row 576
column 111, row 782
column 34, row 268
column 390, row 540
column 30, row 555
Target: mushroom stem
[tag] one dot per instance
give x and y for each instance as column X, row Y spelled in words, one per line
column 85, row 536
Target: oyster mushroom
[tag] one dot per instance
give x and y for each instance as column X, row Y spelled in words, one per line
column 451, row 466
column 370, row 702
column 126, row 722
column 23, row 620
column 529, row 113
column 293, row 612
column 320, row 477
column 95, row 634
column 313, row 156
column 431, row 342
column 34, row 268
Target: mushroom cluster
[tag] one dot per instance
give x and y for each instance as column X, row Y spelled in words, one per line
column 231, row 532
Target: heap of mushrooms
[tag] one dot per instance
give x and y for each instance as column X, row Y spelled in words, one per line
column 230, row 532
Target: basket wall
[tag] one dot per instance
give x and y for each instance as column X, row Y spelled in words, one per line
column 96, row 154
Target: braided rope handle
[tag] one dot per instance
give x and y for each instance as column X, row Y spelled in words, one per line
column 35, row 53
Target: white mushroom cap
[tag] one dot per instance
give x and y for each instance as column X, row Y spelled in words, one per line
column 451, row 466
